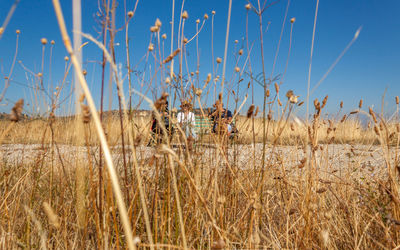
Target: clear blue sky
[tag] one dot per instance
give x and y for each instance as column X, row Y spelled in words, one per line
column 369, row 67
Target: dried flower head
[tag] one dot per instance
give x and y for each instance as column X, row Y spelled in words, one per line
column 85, row 113
column 205, row 16
column 170, row 57
column 341, row 104
column 198, row 21
column 52, row 42
column 168, row 80
column 1, row 30
column 268, row 93
column 248, row 6
column 276, row 87
column 360, row 103
column 151, row 47
column 198, row 92
column 294, row 99
column 18, row 32
column 236, row 41
column 154, row 28
column 237, row 69
column 219, row 244
column 130, row 14
column 185, row 40
column 39, row 74
column 292, row 20
column 43, row 41
column 16, row 111
column 185, row 15
column 397, row 100
column 66, row 58
column 158, row 23
column 241, row 52
column 250, row 111
column 84, row 72
column 51, row 215
column 324, row 102
column 213, row 12
column 164, row 36
column 219, row 59
column 289, row 94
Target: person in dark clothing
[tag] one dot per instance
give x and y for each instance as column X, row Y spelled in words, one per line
column 156, row 130
column 222, row 119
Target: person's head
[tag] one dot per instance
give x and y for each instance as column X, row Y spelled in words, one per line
column 186, row 106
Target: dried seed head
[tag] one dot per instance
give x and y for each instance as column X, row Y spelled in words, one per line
column 198, row 92
column 360, row 103
column 289, row 94
column 43, row 41
column 151, row 47
column 198, row 21
column 205, row 16
column 185, row 15
column 341, row 104
column 39, row 74
column 66, row 58
column 51, row 215
column 321, row 190
column 317, row 105
column 279, row 103
column 130, row 14
column 292, row 20
column 168, row 80
column 250, row 111
column 1, row 30
column 16, row 111
column 276, row 87
column 269, row 116
column 158, row 23
column 397, row 100
column 185, row 40
column 213, row 12
column 376, row 130
column 18, row 32
column 154, row 28
column 85, row 113
column 248, row 6
column 343, row 118
column 372, row 113
column 294, row 99
column 84, row 72
column 267, row 94
column 237, row 69
column 236, row 41
column 170, row 57
column 292, row 126
column 241, row 52
column 324, row 102
column 52, row 42
column 219, row 59
column 174, row 110
column 164, row 36
column 301, row 103
column 257, row 110
column 219, row 244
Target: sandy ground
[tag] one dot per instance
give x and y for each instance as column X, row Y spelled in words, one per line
column 333, row 158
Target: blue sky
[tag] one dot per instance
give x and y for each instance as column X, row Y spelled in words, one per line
column 369, row 67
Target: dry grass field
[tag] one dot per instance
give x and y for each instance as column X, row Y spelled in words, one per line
column 92, row 182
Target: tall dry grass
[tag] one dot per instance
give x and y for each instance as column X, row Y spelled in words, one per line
column 281, row 183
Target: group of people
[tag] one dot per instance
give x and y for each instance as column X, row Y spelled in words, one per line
column 221, row 118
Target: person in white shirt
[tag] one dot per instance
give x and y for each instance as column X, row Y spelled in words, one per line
column 187, row 121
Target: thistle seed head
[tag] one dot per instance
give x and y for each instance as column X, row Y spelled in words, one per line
column 185, row 15
column 43, row 41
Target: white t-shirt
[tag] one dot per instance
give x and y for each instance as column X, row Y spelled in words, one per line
column 186, row 118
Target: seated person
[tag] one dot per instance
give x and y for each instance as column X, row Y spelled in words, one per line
column 222, row 119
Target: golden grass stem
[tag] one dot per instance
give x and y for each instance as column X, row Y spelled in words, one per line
column 99, row 128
